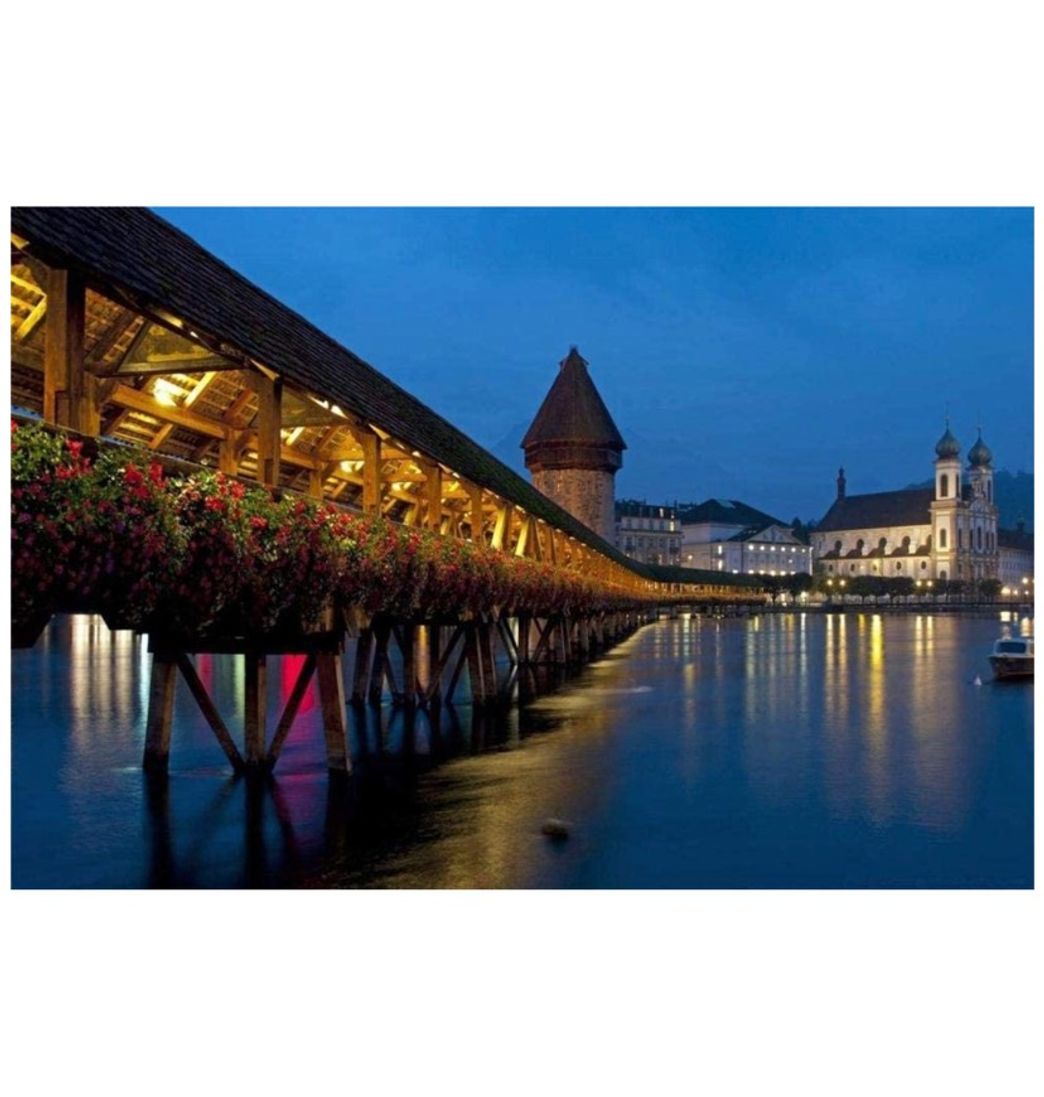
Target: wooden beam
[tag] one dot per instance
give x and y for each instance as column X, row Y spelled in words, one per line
column 70, row 395
column 523, row 536
column 137, row 400
column 371, row 470
column 28, row 325
column 503, row 525
column 111, row 336
column 476, row 514
column 269, row 425
column 211, row 364
column 432, row 495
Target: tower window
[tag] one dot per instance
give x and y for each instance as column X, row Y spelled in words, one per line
column 944, row 486
column 942, row 538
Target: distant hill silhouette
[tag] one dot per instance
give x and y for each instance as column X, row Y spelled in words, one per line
column 1014, row 494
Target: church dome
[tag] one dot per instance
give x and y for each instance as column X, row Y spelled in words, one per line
column 979, row 455
column 947, row 446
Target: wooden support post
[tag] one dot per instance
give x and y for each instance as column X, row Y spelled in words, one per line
column 408, row 646
column 502, row 529
column 584, row 638
column 476, row 514
column 523, row 639
column 432, row 495
column 371, row 471
column 471, row 647
column 269, row 426
column 523, row 536
column 255, row 697
column 335, row 723
column 381, row 632
column 487, row 655
column 316, row 479
column 228, row 453
column 433, row 691
column 65, row 393
column 440, row 664
column 461, row 660
column 161, row 713
column 361, row 677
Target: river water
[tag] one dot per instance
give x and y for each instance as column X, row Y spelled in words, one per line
column 802, row 750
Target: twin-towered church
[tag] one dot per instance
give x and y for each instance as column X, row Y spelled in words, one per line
column 947, row 531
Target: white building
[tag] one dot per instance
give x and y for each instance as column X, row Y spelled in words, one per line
column 1015, row 557
column 948, row 531
column 648, row 532
column 729, row 536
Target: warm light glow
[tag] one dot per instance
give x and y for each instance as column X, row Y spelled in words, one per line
column 165, row 393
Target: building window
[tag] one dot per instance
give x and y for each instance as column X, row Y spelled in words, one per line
column 942, row 537
column 944, row 486
column 978, row 537
column 924, row 565
column 898, row 565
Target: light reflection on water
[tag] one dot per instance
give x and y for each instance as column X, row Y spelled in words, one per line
column 784, row 751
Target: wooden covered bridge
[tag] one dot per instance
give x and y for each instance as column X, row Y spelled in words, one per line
column 123, row 328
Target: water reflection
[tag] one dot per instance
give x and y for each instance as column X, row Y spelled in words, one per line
column 841, row 749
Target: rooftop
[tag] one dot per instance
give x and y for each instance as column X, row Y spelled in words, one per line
column 911, row 507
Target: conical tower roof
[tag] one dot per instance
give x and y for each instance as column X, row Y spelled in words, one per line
column 573, row 413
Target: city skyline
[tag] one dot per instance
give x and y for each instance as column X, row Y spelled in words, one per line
column 744, row 325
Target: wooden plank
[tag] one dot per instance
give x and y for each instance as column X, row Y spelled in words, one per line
column 209, row 710
column 293, row 703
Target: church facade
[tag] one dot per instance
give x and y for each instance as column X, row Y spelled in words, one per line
column 947, row 531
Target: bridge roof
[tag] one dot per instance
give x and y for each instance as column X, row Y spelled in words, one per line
column 167, row 271
column 163, row 272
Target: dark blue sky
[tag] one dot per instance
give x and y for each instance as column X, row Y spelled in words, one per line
column 742, row 352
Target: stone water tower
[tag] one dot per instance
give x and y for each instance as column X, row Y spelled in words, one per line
column 573, row 448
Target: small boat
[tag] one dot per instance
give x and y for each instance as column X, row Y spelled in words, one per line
column 1012, row 657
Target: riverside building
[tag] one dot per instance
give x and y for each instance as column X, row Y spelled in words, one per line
column 649, row 533
column 732, row 537
column 947, row 531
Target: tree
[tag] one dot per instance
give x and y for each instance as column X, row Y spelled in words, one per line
column 989, row 589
